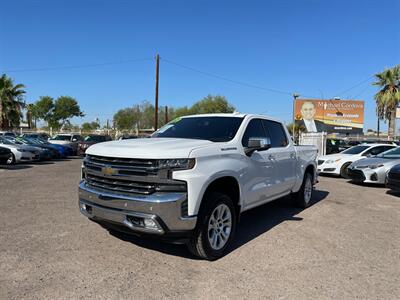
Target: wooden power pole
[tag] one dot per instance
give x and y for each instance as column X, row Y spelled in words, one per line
column 156, row 96
column 166, row 114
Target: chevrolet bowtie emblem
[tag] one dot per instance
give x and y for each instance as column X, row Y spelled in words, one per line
column 108, row 171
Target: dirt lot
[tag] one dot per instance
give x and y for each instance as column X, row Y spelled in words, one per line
column 347, row 245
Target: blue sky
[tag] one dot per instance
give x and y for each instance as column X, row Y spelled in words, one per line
column 314, row 48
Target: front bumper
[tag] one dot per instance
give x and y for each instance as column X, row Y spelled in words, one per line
column 366, row 175
column 164, row 209
column 328, row 169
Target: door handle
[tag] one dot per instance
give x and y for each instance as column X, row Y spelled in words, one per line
column 292, row 155
column 271, row 157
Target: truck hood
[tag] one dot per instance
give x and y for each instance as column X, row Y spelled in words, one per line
column 149, row 148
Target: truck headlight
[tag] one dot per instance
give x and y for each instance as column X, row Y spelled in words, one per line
column 181, row 164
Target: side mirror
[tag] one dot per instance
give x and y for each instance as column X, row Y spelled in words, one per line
column 74, row 140
column 257, row 144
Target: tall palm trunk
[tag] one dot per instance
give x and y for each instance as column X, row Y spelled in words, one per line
column 392, row 125
column 1, row 113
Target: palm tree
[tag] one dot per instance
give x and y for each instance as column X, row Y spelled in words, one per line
column 11, row 102
column 388, row 97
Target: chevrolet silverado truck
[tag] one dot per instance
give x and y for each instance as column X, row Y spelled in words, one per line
column 193, row 178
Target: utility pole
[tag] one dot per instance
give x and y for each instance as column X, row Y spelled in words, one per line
column 295, row 96
column 156, row 96
column 166, row 114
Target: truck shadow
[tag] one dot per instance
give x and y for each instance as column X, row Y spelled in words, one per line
column 253, row 223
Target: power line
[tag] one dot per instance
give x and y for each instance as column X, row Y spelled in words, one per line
column 354, row 86
column 77, row 66
column 227, row 79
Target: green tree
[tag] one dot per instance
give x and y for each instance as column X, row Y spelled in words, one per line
column 11, row 102
column 65, row 108
column 127, row 118
column 90, row 126
column 43, row 109
column 212, row 104
column 388, row 97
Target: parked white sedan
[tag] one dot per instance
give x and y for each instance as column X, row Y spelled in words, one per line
column 337, row 164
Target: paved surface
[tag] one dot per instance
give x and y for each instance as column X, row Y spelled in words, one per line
column 346, row 246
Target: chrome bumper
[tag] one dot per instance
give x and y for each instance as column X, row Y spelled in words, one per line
column 163, row 208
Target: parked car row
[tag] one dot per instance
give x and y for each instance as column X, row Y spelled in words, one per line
column 40, row 146
column 365, row 163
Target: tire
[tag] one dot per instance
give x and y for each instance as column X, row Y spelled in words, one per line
column 11, row 159
column 303, row 197
column 343, row 170
column 213, row 235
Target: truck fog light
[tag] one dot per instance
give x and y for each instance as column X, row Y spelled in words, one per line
column 149, row 223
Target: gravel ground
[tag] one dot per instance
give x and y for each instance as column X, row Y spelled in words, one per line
column 345, row 246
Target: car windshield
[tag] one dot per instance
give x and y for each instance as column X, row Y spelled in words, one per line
column 95, row 138
column 391, row 154
column 62, row 138
column 215, row 129
column 5, row 141
column 355, row 150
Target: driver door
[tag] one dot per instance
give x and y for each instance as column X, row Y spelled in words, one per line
column 258, row 176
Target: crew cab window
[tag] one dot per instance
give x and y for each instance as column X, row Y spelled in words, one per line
column 276, row 133
column 254, row 129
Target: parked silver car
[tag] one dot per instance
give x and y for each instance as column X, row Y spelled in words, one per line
column 374, row 169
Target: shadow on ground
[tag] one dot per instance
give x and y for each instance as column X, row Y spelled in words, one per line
column 253, row 223
column 393, row 193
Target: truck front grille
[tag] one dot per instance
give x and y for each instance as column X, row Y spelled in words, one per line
column 128, row 176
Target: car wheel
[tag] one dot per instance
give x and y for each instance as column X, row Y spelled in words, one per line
column 11, row 159
column 343, row 170
column 303, row 197
column 215, row 229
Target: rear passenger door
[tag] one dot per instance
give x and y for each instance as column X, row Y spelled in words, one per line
column 282, row 155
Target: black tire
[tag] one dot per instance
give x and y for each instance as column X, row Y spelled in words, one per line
column 199, row 244
column 343, row 170
column 11, row 160
column 301, row 198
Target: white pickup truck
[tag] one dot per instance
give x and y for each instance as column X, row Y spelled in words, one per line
column 190, row 181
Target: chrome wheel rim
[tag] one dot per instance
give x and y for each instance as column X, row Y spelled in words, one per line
column 307, row 190
column 219, row 227
column 10, row 160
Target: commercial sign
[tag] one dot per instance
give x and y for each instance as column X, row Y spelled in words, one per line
column 332, row 116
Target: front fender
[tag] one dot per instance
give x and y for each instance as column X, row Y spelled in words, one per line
column 207, row 170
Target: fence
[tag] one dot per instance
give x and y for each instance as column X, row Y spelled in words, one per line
column 317, row 139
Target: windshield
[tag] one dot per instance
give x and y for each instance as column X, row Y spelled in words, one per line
column 355, row 150
column 5, row 141
column 95, row 138
column 215, row 129
column 391, row 154
column 62, row 138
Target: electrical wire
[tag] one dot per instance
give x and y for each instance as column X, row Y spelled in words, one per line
column 77, row 66
column 354, row 86
column 228, row 79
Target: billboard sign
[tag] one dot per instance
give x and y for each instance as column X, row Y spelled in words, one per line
column 332, row 116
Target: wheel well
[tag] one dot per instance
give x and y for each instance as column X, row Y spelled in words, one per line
column 227, row 185
column 310, row 169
